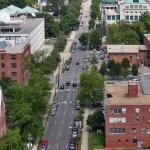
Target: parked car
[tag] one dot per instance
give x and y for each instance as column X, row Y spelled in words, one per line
column 74, row 133
column 77, row 106
column 44, row 144
column 53, row 111
column 72, row 145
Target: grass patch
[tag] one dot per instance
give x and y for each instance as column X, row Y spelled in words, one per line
column 96, row 140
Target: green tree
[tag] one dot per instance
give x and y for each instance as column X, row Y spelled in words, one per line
column 125, row 63
column 12, row 140
column 92, row 86
column 95, row 39
column 117, row 69
column 93, row 60
column 103, row 69
column 134, row 70
column 125, row 72
column 84, row 39
column 96, row 120
column 111, row 68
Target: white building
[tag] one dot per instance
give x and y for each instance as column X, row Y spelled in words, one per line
column 22, row 30
column 129, row 10
column 42, row 2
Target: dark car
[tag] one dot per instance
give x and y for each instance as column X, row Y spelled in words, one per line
column 68, row 83
column 72, row 145
column 77, row 63
column 74, row 84
column 69, row 60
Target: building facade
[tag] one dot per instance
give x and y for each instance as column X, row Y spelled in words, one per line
column 127, row 115
column 2, row 115
column 12, row 60
column 129, row 10
column 23, row 30
column 136, row 54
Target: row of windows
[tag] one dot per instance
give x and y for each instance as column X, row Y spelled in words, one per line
column 113, row 17
column 136, row 7
column 13, row 74
column 117, row 130
column 13, row 56
column 13, row 65
column 132, row 17
column 123, row 110
column 133, row 130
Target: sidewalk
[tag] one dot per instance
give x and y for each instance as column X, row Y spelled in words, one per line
column 63, row 56
column 85, row 130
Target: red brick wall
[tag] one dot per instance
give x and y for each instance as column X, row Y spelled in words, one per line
column 119, row 57
column 20, row 78
column 112, row 140
column 133, row 91
column 144, row 57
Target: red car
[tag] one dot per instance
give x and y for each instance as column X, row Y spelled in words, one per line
column 44, row 144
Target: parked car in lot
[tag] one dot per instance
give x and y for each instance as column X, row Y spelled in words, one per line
column 68, row 83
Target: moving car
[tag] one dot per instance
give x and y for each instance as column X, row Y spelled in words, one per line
column 72, row 145
column 62, row 87
column 68, row 83
column 77, row 63
column 74, row 84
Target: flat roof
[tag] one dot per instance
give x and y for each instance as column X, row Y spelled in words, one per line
column 109, row 1
column 125, row 48
column 19, row 48
column 26, row 27
column 119, row 91
column 136, row 1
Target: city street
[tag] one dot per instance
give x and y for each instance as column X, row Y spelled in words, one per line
column 58, row 131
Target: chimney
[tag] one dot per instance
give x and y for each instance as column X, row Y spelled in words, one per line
column 132, row 89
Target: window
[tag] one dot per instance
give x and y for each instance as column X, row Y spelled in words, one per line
column 137, row 110
column 131, row 6
column 143, row 130
column 14, row 74
column 148, row 131
column 131, row 17
column 134, row 140
column 145, row 7
column 136, row 6
column 118, row 17
column 113, row 18
column 140, row 6
column 127, row 7
column 3, row 74
column 133, row 130
column 2, row 65
column 2, row 56
column 13, row 65
column 135, row 1
column 135, row 17
column 117, row 130
column 137, row 119
column 108, row 17
column 118, row 110
column 127, row 17
column 13, row 56
column 118, row 140
column 117, row 120
column 130, row 57
column 127, row 140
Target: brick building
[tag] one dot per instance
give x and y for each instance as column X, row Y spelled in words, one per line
column 12, row 60
column 2, row 115
column 127, row 114
column 137, row 54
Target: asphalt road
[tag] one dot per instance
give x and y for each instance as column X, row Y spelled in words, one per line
column 58, row 131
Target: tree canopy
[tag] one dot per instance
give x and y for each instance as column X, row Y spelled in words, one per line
column 92, row 86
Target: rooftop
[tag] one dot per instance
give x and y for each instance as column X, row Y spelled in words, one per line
column 26, row 27
column 136, row 1
column 109, row 1
column 5, row 46
column 119, row 91
column 125, row 48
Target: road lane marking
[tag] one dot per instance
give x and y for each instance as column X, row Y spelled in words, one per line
column 55, row 122
column 57, row 146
